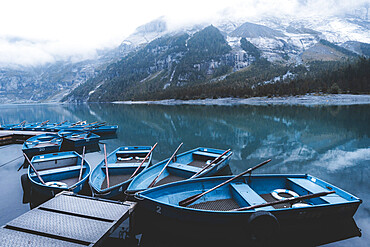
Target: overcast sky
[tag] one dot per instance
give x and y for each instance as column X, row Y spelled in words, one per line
column 34, row 32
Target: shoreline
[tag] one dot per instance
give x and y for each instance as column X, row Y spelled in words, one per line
column 327, row 99
column 308, row 100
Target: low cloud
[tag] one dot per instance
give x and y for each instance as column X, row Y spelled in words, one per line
column 42, row 31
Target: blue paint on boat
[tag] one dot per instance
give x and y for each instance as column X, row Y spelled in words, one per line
column 216, row 207
column 122, row 163
column 96, row 129
column 62, row 167
column 42, row 144
column 185, row 166
column 77, row 139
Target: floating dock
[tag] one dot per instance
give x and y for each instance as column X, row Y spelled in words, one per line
column 66, row 220
column 16, row 136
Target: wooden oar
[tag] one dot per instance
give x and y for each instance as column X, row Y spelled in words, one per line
column 106, row 165
column 91, row 123
column 45, row 122
column 93, row 127
column 137, row 169
column 61, row 123
column 82, row 164
column 193, row 198
column 210, row 164
column 38, row 175
column 288, row 200
column 164, row 168
column 22, row 123
column 76, row 123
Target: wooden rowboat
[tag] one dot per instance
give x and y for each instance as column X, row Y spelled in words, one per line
column 77, row 139
column 122, row 163
column 42, row 144
column 59, row 171
column 262, row 197
column 185, row 166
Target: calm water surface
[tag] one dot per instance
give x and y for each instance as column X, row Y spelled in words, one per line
column 330, row 142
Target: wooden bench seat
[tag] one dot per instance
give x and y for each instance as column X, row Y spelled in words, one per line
column 315, row 188
column 249, row 195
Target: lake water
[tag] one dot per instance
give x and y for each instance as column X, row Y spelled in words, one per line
column 330, row 142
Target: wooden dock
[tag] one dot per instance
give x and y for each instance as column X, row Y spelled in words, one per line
column 16, row 136
column 66, row 220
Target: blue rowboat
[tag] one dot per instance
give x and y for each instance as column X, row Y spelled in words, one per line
column 99, row 130
column 59, row 126
column 19, row 126
column 121, row 165
column 216, row 208
column 77, row 139
column 185, row 166
column 42, row 144
column 60, row 171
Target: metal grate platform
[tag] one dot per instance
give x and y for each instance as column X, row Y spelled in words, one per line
column 66, row 220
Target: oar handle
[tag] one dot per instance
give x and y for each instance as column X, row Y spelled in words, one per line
column 91, row 123
column 210, row 164
column 289, row 200
column 82, row 164
column 194, row 198
column 137, row 169
column 61, row 123
column 38, row 175
column 164, row 168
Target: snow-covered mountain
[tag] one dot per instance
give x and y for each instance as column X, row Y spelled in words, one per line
column 284, row 40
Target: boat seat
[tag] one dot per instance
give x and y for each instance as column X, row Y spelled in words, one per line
column 130, row 151
column 249, row 195
column 315, row 188
column 184, row 167
column 201, row 153
column 65, row 156
column 57, row 170
column 128, row 164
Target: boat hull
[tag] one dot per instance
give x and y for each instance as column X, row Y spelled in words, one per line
column 179, row 170
column 154, row 202
column 57, row 167
column 122, row 163
column 42, row 144
column 77, row 139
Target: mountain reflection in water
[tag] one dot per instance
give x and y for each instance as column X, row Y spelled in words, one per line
column 330, row 142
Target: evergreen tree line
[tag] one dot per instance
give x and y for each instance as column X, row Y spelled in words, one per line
column 319, row 77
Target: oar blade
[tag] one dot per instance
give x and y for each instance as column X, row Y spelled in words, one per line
column 189, row 200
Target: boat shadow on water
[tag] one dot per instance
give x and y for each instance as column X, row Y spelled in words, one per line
column 161, row 233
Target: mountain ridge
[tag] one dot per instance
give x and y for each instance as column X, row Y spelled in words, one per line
column 280, row 42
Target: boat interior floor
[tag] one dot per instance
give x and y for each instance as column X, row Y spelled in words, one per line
column 115, row 179
column 169, row 179
column 198, row 163
column 69, row 181
column 217, row 205
column 129, row 161
column 45, row 145
column 268, row 198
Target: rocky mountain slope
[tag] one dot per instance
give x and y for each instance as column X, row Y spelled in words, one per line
column 223, row 53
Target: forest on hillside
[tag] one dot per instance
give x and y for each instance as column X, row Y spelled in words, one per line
column 333, row 77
